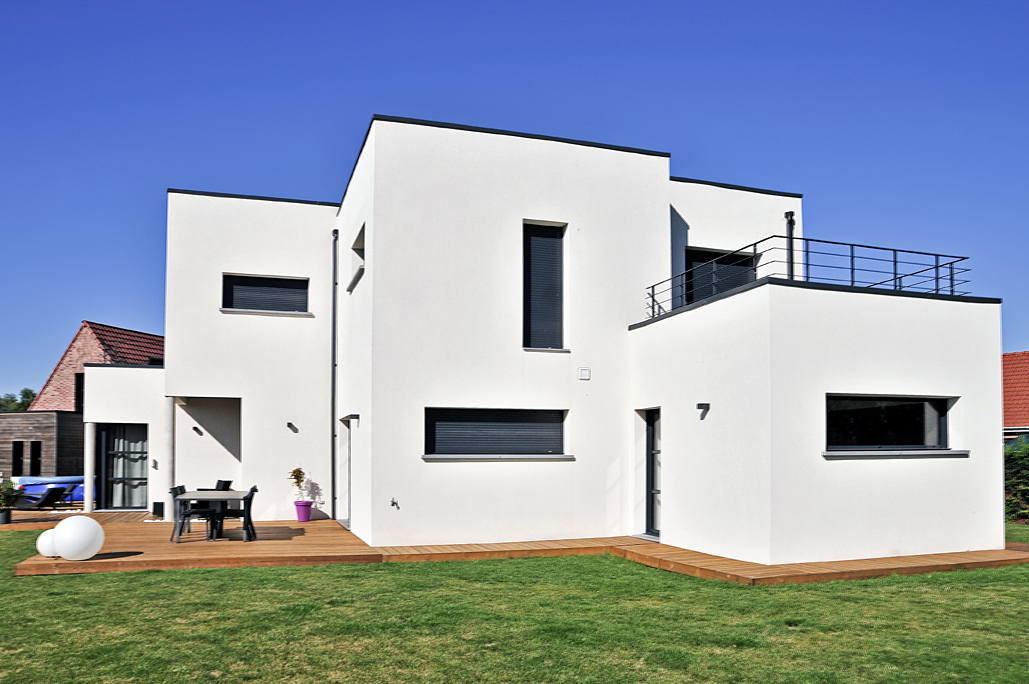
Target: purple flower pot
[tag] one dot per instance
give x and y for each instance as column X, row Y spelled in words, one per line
column 303, row 510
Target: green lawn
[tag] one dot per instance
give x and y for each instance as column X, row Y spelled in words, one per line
column 574, row 619
column 1018, row 533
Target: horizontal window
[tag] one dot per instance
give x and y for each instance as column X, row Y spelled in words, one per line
column 493, row 431
column 885, row 423
column 264, row 294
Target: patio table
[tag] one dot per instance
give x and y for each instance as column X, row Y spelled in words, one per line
column 208, row 496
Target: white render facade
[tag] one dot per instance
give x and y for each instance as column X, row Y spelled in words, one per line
column 427, row 316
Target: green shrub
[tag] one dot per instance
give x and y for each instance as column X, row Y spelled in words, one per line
column 1016, row 480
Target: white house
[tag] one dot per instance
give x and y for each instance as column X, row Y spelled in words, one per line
column 499, row 337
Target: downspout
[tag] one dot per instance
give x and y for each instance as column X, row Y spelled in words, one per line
column 790, row 224
column 332, row 417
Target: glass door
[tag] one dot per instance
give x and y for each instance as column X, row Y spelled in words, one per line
column 654, row 472
column 123, row 470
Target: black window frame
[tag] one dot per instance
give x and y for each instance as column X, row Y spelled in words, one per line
column 231, row 280
column 80, row 392
column 35, row 458
column 492, row 417
column 17, row 458
column 940, row 405
column 542, row 297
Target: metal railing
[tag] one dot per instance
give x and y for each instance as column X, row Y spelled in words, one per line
column 813, row 261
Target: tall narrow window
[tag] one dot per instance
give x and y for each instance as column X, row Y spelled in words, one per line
column 542, row 287
column 264, row 294
column 80, row 391
column 35, row 458
column 17, row 459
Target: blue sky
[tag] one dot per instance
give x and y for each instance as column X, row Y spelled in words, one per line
column 904, row 124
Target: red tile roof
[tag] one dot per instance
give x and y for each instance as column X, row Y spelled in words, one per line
column 127, row 346
column 1016, row 389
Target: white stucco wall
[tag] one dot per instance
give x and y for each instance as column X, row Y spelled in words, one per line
column 445, row 258
column 354, row 378
column 750, row 481
column 728, row 218
column 851, row 343
column 207, row 439
column 278, row 367
column 134, row 394
column 715, row 472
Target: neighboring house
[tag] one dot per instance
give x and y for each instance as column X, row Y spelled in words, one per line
column 47, row 439
column 499, row 337
column 1016, row 395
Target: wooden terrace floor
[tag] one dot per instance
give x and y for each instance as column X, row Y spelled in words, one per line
column 133, row 545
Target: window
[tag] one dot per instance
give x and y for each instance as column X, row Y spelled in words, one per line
column 885, row 423
column 709, row 272
column 17, row 459
column 35, row 458
column 80, row 391
column 255, row 293
column 122, row 466
column 542, row 287
column 494, row 431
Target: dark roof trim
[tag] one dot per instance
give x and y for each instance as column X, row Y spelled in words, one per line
column 121, row 365
column 516, row 134
column 252, row 197
column 818, row 286
column 729, row 186
column 35, row 413
column 494, row 131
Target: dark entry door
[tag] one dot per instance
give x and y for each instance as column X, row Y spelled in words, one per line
column 654, row 472
column 123, row 468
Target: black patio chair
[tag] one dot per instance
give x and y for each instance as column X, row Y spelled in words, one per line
column 185, row 511
column 249, row 531
column 49, row 499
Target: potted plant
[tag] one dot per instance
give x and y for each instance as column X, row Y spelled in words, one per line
column 9, row 496
column 303, row 506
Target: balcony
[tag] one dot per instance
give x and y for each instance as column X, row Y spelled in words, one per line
column 841, row 264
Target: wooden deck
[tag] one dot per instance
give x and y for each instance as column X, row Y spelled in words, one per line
column 703, row 565
column 146, row 546
column 41, row 520
column 133, row 545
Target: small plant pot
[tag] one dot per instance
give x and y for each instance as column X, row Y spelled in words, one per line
column 5, row 517
column 303, row 510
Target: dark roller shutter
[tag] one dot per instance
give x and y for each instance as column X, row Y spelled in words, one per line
column 264, row 294
column 493, row 431
column 541, row 321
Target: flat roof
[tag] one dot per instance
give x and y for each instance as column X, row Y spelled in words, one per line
column 730, row 186
column 252, row 197
column 517, row 134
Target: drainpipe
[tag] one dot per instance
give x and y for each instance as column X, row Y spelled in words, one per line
column 332, row 410
column 88, row 466
column 790, row 224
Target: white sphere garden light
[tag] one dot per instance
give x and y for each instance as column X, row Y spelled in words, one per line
column 78, row 538
column 45, row 544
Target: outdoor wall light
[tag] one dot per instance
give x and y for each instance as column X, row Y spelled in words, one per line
column 703, row 408
column 293, row 427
